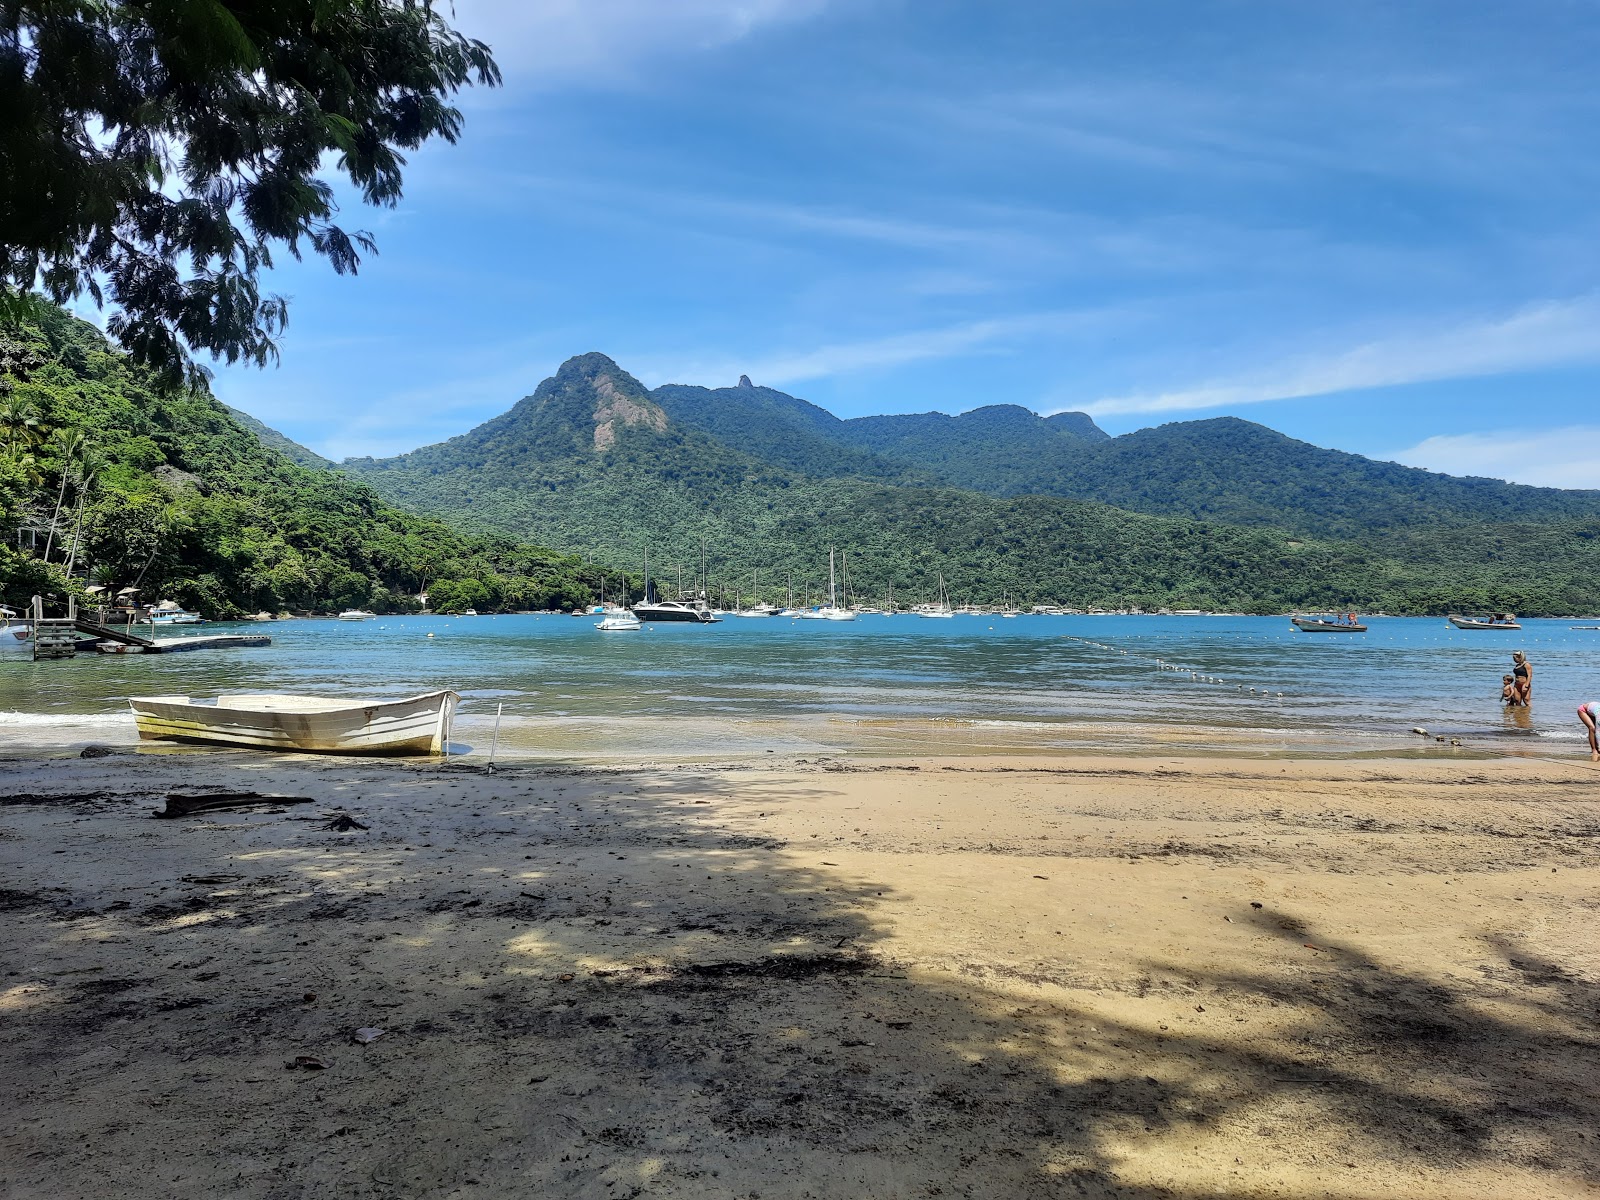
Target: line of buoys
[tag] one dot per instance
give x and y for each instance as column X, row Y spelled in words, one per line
column 1162, row 664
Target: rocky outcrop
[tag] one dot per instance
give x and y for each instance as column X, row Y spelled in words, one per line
column 613, row 408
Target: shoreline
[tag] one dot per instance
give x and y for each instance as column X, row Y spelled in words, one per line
column 989, row 976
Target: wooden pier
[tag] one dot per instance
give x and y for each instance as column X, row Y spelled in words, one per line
column 58, row 637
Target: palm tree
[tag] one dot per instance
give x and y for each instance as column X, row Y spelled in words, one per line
column 23, row 463
column 19, row 423
column 69, row 445
column 90, row 465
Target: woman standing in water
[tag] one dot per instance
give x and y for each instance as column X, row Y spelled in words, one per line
column 1522, row 676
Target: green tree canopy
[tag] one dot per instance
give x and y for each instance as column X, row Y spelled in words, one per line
column 155, row 152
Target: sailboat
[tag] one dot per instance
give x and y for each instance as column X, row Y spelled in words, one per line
column 831, row 611
column 942, row 608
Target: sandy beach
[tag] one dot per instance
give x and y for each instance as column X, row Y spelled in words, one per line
column 1155, row 977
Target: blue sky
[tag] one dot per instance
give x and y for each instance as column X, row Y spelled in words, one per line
column 1369, row 225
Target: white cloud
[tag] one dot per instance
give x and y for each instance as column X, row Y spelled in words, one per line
column 1567, row 458
column 540, row 42
column 843, row 358
column 1550, row 334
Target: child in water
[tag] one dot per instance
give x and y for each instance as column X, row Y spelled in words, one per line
column 1510, row 693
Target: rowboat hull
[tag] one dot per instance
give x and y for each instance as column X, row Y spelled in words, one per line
column 307, row 724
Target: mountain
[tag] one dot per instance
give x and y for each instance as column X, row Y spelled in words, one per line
column 1221, row 469
column 174, row 494
column 595, row 462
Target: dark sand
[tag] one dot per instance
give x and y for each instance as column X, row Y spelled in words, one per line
column 1085, row 978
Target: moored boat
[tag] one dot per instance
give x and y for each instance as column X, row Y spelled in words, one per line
column 415, row 725
column 1485, row 621
column 168, row 612
column 1328, row 624
column 356, row 614
column 616, row 623
column 14, row 634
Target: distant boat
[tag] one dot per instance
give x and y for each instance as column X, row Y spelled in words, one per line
column 356, row 614
column 616, row 624
column 1327, row 625
column 941, row 608
column 831, row 610
column 416, row 725
column 1485, row 621
column 471, row 612
column 696, row 612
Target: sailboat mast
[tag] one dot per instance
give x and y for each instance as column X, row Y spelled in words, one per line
column 833, row 591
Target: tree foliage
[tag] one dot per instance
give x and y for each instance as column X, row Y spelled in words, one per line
column 155, row 153
column 136, row 484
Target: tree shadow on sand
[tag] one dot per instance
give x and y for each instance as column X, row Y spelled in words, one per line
column 603, row 989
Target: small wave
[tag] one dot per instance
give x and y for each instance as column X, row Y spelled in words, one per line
column 58, row 720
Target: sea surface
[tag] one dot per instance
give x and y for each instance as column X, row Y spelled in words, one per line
column 880, row 686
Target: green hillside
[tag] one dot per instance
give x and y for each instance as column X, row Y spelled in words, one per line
column 273, row 440
column 107, row 478
column 1222, row 469
column 594, row 462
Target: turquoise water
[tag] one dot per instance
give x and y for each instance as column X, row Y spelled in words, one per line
column 879, row 685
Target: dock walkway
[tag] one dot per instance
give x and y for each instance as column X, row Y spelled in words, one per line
column 57, row 637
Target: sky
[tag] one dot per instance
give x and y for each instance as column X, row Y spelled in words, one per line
column 1371, row 226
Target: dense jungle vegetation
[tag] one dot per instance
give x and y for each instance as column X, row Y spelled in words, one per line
column 109, row 476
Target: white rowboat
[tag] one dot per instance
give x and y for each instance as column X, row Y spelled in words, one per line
column 417, row 725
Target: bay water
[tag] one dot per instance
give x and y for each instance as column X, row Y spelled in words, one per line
column 882, row 686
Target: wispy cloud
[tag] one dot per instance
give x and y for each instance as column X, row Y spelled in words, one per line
column 844, row 358
column 540, row 43
column 1567, row 458
column 1550, row 334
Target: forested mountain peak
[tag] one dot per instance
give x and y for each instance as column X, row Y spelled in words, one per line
column 613, row 399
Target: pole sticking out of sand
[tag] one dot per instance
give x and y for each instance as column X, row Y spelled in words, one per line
column 494, row 742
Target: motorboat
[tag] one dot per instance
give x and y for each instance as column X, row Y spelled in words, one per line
column 1328, row 624
column 696, row 612
column 356, row 614
column 469, row 612
column 616, row 624
column 688, row 612
column 169, row 612
column 1485, row 621
column 317, row 724
column 14, row 634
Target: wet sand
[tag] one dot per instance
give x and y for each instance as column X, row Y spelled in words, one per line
column 1115, row 977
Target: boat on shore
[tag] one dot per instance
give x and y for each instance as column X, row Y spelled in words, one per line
column 1485, row 621
column 314, row 724
column 1328, row 624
